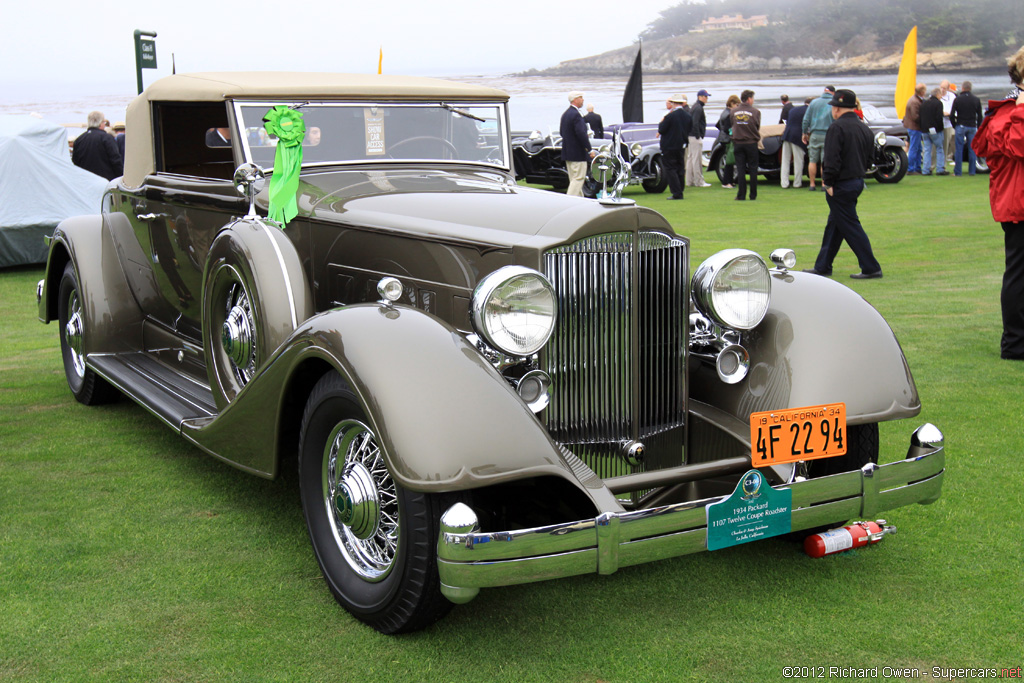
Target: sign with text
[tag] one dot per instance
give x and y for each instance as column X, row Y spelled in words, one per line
column 147, row 54
column 374, row 121
column 754, row 511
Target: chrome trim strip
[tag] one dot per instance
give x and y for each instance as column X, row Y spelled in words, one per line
column 468, row 561
column 284, row 271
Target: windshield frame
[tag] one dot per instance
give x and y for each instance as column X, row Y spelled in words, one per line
column 449, row 105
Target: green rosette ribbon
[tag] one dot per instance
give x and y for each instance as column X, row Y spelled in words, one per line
column 287, row 125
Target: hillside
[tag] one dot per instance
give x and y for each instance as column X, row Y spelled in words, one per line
column 769, row 49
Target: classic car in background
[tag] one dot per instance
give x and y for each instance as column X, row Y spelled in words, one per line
column 888, row 165
column 480, row 384
column 537, row 157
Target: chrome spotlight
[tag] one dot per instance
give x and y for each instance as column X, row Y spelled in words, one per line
column 732, row 364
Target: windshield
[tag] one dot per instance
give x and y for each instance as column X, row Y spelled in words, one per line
column 353, row 133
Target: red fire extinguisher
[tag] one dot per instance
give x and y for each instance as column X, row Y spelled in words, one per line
column 855, row 535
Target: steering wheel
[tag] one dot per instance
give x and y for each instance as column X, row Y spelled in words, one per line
column 445, row 143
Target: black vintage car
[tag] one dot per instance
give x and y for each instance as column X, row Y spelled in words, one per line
column 479, row 384
column 889, row 163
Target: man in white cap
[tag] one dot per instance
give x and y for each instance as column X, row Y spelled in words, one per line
column 576, row 151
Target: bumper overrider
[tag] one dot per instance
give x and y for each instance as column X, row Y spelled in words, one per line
column 469, row 559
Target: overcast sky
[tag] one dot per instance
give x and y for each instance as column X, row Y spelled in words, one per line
column 61, row 42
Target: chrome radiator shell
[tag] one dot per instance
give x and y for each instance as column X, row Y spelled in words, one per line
column 617, row 358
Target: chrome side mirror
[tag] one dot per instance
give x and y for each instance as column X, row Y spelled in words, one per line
column 249, row 181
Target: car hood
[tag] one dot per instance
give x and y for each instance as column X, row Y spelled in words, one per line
column 476, row 206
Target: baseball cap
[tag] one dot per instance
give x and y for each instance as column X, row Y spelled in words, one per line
column 703, row 93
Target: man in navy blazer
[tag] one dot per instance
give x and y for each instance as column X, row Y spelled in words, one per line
column 576, row 151
column 673, row 131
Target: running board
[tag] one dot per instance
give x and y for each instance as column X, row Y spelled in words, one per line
column 161, row 390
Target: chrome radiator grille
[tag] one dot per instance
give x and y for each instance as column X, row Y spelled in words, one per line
column 617, row 356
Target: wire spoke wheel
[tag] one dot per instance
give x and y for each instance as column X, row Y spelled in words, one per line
column 360, row 499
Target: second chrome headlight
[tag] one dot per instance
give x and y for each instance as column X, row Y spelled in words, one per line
column 514, row 309
column 733, row 288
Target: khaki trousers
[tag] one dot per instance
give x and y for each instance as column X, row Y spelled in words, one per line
column 577, row 174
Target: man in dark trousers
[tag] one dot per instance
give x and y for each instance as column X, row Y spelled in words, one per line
column 594, row 121
column 965, row 116
column 673, row 131
column 746, row 134
column 695, row 142
column 576, row 151
column 849, row 146
column 95, row 150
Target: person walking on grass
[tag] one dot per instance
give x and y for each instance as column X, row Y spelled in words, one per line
column 849, row 146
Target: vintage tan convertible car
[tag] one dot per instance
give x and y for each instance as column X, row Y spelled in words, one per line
column 483, row 384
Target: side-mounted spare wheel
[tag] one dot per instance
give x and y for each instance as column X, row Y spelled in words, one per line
column 86, row 386
column 255, row 294
column 374, row 540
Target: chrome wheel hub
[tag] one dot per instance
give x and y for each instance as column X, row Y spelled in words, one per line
column 238, row 334
column 73, row 332
column 357, row 501
column 360, row 500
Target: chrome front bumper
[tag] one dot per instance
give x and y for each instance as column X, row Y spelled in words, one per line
column 469, row 559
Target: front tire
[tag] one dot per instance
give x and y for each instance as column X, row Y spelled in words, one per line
column 895, row 167
column 86, row 386
column 375, row 541
column 657, row 183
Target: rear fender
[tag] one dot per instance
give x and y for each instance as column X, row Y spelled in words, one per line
column 820, row 342
column 445, row 418
column 112, row 317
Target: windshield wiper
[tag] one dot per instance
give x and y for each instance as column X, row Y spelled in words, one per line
column 463, row 112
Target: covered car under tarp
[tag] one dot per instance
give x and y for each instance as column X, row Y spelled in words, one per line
column 39, row 187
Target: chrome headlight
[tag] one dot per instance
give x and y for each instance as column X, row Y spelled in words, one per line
column 880, row 138
column 733, row 288
column 635, row 149
column 514, row 310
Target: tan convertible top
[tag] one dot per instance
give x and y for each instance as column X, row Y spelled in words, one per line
column 278, row 85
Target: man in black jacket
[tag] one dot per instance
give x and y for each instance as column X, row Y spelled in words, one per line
column 594, row 121
column 673, row 130
column 965, row 117
column 849, row 146
column 931, row 134
column 95, row 150
column 695, row 146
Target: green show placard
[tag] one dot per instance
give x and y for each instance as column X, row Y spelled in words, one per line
column 754, row 511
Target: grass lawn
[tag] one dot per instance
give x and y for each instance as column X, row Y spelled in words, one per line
column 126, row 554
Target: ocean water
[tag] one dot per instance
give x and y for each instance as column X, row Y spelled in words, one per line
column 536, row 103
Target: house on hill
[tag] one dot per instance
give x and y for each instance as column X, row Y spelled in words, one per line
column 732, row 22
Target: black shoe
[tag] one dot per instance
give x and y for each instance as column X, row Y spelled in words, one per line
column 741, row 199
column 675, row 197
column 813, row 188
column 867, row 276
column 753, row 197
column 818, row 272
column 942, row 173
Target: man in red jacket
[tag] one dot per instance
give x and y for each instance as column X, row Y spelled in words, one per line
column 1000, row 140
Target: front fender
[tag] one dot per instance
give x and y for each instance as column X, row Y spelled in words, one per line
column 112, row 317
column 820, row 342
column 445, row 419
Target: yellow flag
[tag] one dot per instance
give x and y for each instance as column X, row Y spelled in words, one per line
column 907, row 79
column 380, row 59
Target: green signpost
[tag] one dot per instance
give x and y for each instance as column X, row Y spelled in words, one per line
column 145, row 54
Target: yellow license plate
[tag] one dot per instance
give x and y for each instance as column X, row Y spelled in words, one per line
column 778, row 436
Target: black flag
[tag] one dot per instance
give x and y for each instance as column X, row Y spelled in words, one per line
column 633, row 98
